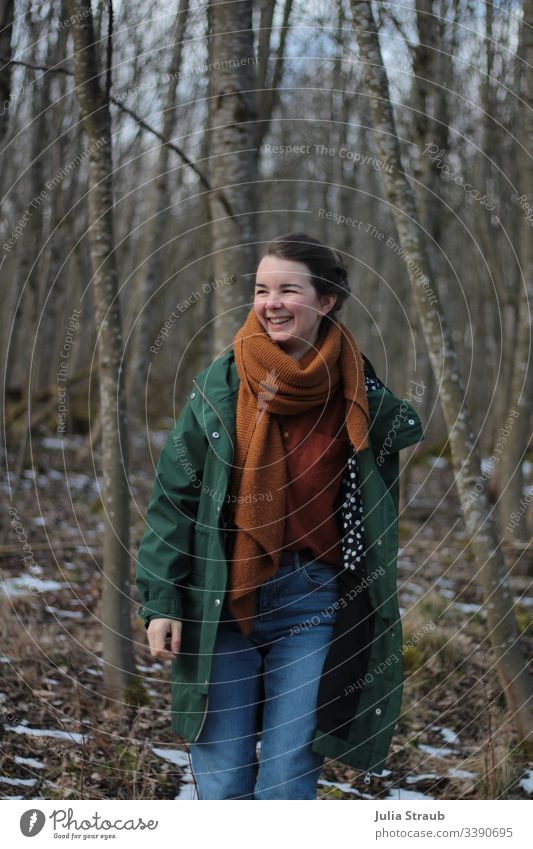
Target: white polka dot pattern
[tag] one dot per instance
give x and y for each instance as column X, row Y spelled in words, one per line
column 353, row 548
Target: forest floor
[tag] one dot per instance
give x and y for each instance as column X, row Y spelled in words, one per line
column 59, row 741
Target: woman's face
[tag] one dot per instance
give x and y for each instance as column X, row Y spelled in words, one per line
column 287, row 304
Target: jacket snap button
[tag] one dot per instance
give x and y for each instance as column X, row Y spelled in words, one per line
column 217, row 602
column 378, row 711
column 411, row 421
column 379, row 542
column 193, row 394
column 215, row 434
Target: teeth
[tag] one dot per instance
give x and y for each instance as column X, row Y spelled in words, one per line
column 278, row 320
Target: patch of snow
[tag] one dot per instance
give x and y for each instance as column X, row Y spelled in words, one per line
column 5, row 659
column 187, row 792
column 27, row 585
column 50, row 681
column 447, row 733
column 71, row 736
column 434, row 751
column 461, row 773
column 526, row 783
column 52, row 442
column 467, row 608
column 445, row 582
column 175, row 756
column 527, row 601
column 402, row 794
column 181, row 759
column 344, row 787
column 29, row 762
column 65, row 614
column 413, row 587
column 438, row 462
column 18, row 782
column 39, row 520
column 424, row 776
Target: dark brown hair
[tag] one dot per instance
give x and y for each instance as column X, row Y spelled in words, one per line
column 329, row 274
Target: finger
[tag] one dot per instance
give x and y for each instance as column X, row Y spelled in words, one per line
column 157, row 642
column 163, row 654
column 175, row 641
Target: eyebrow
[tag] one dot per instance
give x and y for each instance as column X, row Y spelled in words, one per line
column 264, row 285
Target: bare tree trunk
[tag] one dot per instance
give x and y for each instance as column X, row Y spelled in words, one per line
column 6, row 30
column 269, row 91
column 233, row 165
column 94, row 108
column 29, row 274
column 512, row 500
column 139, row 361
column 503, row 634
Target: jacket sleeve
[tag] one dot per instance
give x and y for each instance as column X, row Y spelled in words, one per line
column 164, row 557
column 394, row 424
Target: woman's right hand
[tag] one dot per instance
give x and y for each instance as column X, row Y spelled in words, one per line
column 160, row 631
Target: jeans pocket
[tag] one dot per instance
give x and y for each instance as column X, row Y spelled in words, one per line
column 321, row 575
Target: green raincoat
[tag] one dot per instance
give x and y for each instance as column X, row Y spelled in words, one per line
column 182, row 569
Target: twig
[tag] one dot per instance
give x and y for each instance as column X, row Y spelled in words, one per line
column 141, row 122
column 109, row 50
column 80, row 720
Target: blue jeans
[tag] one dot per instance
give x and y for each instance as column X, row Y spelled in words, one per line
column 285, row 651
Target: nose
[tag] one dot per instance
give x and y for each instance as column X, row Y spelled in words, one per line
column 273, row 301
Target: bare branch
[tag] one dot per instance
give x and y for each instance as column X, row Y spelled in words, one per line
column 141, row 122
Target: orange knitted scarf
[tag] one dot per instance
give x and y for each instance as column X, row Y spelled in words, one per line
column 272, row 382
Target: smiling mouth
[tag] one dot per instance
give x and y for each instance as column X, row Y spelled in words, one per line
column 278, row 322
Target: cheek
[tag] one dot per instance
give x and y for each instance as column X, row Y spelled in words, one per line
column 259, row 309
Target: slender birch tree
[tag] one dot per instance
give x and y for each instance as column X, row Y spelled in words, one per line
column 92, row 90
column 514, row 519
column 139, row 361
column 509, row 659
column 6, row 31
column 232, row 134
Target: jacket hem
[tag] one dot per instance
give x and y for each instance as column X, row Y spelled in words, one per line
column 347, row 753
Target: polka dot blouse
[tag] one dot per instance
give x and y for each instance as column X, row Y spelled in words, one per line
column 353, row 529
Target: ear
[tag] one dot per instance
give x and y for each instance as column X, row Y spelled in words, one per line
column 328, row 302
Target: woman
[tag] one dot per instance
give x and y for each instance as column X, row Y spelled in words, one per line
column 269, row 560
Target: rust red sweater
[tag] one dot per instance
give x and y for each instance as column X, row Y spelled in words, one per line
column 316, row 445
